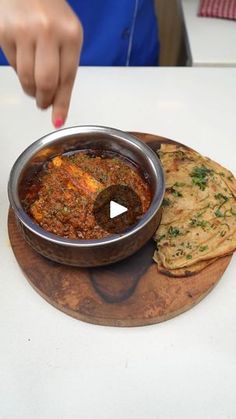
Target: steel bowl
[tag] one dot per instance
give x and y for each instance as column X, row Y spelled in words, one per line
column 87, row 253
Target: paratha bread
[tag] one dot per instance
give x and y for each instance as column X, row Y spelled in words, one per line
column 199, row 211
column 187, row 271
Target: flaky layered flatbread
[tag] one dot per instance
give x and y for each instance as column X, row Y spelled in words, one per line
column 199, row 211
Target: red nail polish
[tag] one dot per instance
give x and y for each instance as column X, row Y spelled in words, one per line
column 58, row 122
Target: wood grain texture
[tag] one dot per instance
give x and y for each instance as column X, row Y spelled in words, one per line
column 128, row 293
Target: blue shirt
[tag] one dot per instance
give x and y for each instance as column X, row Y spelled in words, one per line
column 116, row 32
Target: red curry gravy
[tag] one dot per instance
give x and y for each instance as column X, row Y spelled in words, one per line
column 61, row 196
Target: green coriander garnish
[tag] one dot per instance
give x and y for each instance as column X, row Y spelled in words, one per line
column 179, row 184
column 188, row 256
column 221, row 197
column 200, row 176
column 218, row 213
column 176, row 193
column 203, row 248
column 180, row 154
column 173, row 231
column 194, row 222
column 222, row 200
column 166, row 202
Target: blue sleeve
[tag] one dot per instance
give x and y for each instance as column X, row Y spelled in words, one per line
column 3, row 60
column 120, row 32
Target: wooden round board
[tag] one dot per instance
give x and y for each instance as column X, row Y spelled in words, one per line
column 129, row 293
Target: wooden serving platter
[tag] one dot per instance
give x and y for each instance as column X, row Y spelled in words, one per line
column 129, row 293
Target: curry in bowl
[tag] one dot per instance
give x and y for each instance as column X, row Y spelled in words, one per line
column 60, row 197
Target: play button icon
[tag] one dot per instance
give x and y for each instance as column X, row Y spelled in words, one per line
column 117, row 208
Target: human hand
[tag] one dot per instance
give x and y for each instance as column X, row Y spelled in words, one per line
column 42, row 41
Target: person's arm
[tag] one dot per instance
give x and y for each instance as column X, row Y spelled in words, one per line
column 42, row 41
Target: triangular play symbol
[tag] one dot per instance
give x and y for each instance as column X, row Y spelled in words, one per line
column 116, row 209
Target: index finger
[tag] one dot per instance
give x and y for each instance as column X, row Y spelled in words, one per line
column 69, row 60
column 46, row 71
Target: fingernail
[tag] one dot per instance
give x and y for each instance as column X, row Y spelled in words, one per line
column 58, row 122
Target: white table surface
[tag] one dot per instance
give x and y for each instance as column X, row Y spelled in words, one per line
column 53, row 366
column 211, row 41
